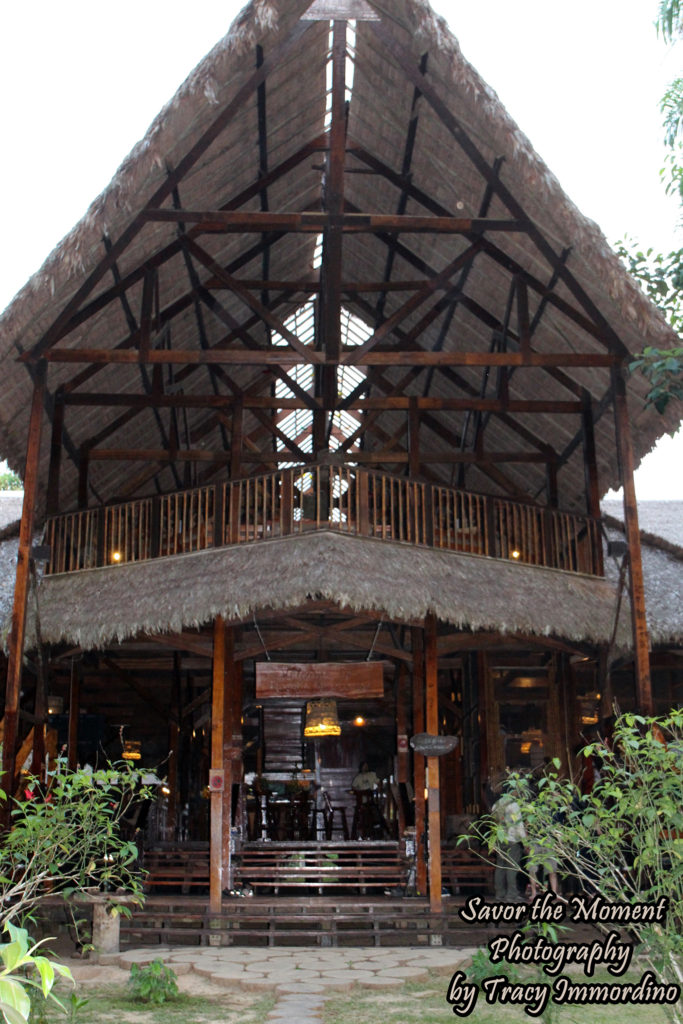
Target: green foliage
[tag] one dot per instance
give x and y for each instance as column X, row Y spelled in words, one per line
column 68, row 839
column 661, row 278
column 154, row 984
column 625, row 839
column 9, row 481
column 482, row 968
column 670, row 19
column 664, row 370
column 22, row 971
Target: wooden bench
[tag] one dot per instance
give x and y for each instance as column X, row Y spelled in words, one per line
column 179, row 867
column 321, row 866
column 465, row 869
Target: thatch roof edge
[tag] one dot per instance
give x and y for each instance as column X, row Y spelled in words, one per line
column 400, row 581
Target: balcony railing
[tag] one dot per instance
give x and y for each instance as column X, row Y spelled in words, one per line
column 299, row 500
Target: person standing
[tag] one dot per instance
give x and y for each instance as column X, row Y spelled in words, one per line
column 507, row 814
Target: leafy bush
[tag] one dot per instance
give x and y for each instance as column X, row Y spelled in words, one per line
column 155, row 983
column 68, row 839
column 18, row 955
column 9, row 481
column 624, row 840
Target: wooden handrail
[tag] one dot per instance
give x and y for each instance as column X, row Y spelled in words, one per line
column 331, row 497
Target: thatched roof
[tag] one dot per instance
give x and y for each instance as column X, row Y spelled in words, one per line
column 662, row 553
column 380, row 112
column 98, row 606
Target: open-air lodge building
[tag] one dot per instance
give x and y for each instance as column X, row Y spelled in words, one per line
column 314, row 410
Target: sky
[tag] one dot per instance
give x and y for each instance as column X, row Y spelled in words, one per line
column 80, row 82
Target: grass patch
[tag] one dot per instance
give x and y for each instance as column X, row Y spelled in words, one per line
column 110, row 1003
column 425, row 1003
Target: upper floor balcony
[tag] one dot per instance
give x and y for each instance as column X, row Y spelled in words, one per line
column 323, row 497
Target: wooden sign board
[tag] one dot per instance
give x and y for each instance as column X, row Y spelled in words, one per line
column 364, row 679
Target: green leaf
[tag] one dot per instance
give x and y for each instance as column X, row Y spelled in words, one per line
column 14, row 1001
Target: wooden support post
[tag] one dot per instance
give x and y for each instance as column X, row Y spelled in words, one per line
column 589, row 458
column 590, row 463
column 218, row 699
column 413, row 438
column 641, row 642
column 74, row 713
column 419, row 762
column 83, row 469
column 402, row 762
column 40, row 713
column 21, row 586
column 175, row 712
column 431, row 666
column 52, row 501
column 236, row 438
column 232, row 746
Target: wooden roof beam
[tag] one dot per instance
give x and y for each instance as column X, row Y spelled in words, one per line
column 191, row 157
column 171, row 250
column 396, row 402
column 406, row 63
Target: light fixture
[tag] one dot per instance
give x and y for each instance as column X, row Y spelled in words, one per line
column 132, row 750
column 359, row 720
column 515, row 553
column 116, row 556
column 321, row 719
column 55, row 704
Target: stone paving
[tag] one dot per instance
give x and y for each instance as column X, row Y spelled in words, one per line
column 300, row 976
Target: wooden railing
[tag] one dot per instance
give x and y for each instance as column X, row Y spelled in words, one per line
column 296, row 500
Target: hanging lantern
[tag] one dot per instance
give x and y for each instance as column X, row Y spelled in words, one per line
column 321, row 719
column 132, row 750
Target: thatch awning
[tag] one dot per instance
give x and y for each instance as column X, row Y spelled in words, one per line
column 404, row 583
column 380, row 112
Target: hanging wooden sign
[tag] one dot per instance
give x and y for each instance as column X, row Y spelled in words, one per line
column 362, row 679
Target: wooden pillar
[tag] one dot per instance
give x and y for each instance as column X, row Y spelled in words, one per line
column 402, row 725
column 232, row 746
column 218, row 701
column 431, row 666
column 413, row 438
column 590, row 462
column 555, row 730
column 52, row 500
column 641, row 644
column 21, row 586
column 175, row 712
column 495, row 745
column 40, row 715
column 83, row 471
column 419, row 762
column 236, row 439
column 74, row 713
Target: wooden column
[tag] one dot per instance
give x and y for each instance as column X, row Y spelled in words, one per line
column 641, row 644
column 419, row 762
column 21, row 586
column 52, row 500
column 217, row 737
column 413, row 438
column 74, row 713
column 590, row 462
column 431, row 664
column 225, row 695
column 402, row 761
column 232, row 746
column 175, row 713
